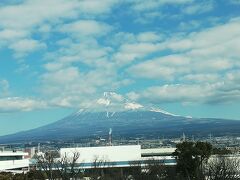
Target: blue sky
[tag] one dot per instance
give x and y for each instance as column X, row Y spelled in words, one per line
column 57, row 56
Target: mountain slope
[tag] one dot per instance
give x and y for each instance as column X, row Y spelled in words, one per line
column 125, row 123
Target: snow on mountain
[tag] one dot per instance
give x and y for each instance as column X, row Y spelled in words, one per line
column 133, row 106
column 102, row 101
column 162, row 111
column 113, row 102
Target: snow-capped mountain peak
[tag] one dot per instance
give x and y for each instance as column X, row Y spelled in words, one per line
column 112, row 102
column 162, row 111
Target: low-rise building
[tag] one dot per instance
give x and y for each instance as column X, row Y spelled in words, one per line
column 13, row 161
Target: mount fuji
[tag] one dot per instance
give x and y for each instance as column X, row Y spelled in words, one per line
column 127, row 119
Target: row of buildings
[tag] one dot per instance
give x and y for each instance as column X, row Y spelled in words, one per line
column 89, row 157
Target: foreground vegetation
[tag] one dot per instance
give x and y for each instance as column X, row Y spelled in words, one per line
column 195, row 161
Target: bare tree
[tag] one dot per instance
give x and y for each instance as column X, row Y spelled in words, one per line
column 46, row 165
column 99, row 162
column 68, row 168
column 155, row 169
column 100, row 166
column 97, row 167
column 223, row 168
column 53, row 167
column 152, row 169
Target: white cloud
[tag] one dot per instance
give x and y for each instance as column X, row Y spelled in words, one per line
column 162, row 68
column 86, row 28
column 113, row 96
column 9, row 34
column 172, row 67
column 32, row 13
column 25, row 46
column 122, row 38
column 200, row 7
column 146, row 12
column 177, row 93
column 190, row 25
column 148, row 70
column 149, row 17
column 204, row 63
column 135, row 46
column 149, row 37
column 133, row 96
column 207, row 51
column 53, row 66
column 133, row 106
column 96, row 7
column 130, row 52
column 140, row 5
column 19, row 21
column 224, row 90
column 208, row 37
column 45, row 28
column 62, row 76
column 195, row 61
column 12, row 104
column 79, row 67
column 86, row 51
column 139, row 48
column 201, row 77
column 79, row 89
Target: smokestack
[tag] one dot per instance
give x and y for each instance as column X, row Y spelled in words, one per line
column 183, row 137
column 110, row 137
column 38, row 147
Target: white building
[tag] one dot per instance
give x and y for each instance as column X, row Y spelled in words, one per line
column 117, row 156
column 13, row 161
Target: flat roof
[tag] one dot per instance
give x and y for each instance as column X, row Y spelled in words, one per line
column 11, row 153
column 158, row 150
column 106, row 153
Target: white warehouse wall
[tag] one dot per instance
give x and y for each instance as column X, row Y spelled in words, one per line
column 14, row 164
column 106, row 153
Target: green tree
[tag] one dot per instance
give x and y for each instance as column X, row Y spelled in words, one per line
column 203, row 152
column 185, row 154
column 190, row 158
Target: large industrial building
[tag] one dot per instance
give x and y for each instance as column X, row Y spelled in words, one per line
column 102, row 157
column 118, row 156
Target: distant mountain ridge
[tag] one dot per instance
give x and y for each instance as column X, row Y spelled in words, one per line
column 126, row 118
column 134, row 123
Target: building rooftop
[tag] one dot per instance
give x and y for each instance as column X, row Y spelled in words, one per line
column 13, row 153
